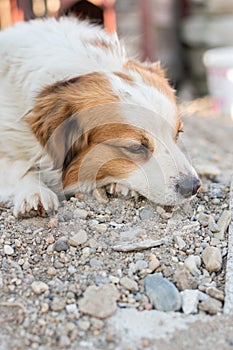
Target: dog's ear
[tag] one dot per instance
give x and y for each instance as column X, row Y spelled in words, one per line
column 55, row 124
column 154, row 67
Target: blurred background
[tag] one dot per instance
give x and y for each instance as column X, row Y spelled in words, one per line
column 176, row 32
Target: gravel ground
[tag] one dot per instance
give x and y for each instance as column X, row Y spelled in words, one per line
column 63, row 277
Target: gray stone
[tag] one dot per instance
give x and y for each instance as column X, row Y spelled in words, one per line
column 99, row 302
column 212, row 225
column 146, row 214
column 203, row 219
column 61, row 245
column 129, row 284
column 154, row 264
column 190, row 299
column 212, row 259
column 71, row 308
column 179, row 242
column 80, row 213
column 211, row 306
column 162, row 294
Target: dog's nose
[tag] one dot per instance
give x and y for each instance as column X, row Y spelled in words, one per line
column 189, row 186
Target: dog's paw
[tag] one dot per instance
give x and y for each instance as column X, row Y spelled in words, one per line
column 43, row 199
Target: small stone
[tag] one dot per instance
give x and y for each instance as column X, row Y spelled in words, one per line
column 99, row 301
column 80, row 213
column 193, row 262
column 203, row 219
column 129, row 284
column 79, row 238
column 132, row 234
column 154, row 264
column 57, row 304
column 212, row 259
column 72, row 270
column 215, row 293
column 71, row 308
column 8, row 250
column 64, row 341
column 146, row 214
column 184, row 279
column 223, row 223
column 140, row 265
column 162, row 294
column 83, row 325
column 44, row 308
column 212, row 225
column 179, row 242
column 39, row 287
column 51, row 271
column 61, row 245
column 97, row 324
column 211, row 306
column 100, row 228
column 94, row 262
column 190, row 299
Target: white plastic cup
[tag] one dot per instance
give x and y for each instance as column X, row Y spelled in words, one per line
column 219, row 67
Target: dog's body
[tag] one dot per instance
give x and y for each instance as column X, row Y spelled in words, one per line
column 76, row 113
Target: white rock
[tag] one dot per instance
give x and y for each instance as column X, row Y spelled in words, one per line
column 179, row 241
column 79, row 238
column 71, row 308
column 80, row 213
column 8, row 250
column 190, row 299
column 39, row 287
column 193, row 262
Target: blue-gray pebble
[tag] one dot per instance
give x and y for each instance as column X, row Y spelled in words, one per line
column 163, row 295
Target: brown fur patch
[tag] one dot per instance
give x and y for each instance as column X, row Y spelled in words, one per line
column 124, row 77
column 107, row 154
column 102, row 44
column 61, row 100
column 152, row 75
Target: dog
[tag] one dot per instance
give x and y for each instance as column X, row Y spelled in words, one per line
column 77, row 114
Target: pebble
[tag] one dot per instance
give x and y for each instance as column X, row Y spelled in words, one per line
column 71, row 309
column 203, row 219
column 61, row 245
column 129, row 284
column 215, row 293
column 84, row 325
column 146, row 213
column 190, row 299
column 80, row 213
column 99, row 302
column 179, row 242
column 162, row 294
column 212, row 259
column 64, row 341
column 184, row 279
column 212, row 225
column 52, row 271
column 154, row 264
column 57, row 304
column 193, row 262
column 223, row 223
column 97, row 324
column 8, row 250
column 79, row 238
column 211, row 306
column 39, row 287
column 132, row 234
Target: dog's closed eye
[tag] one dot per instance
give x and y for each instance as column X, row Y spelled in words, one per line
column 136, row 148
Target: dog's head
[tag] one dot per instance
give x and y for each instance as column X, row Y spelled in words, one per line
column 119, row 127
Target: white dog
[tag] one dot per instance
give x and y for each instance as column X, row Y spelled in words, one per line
column 77, row 114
